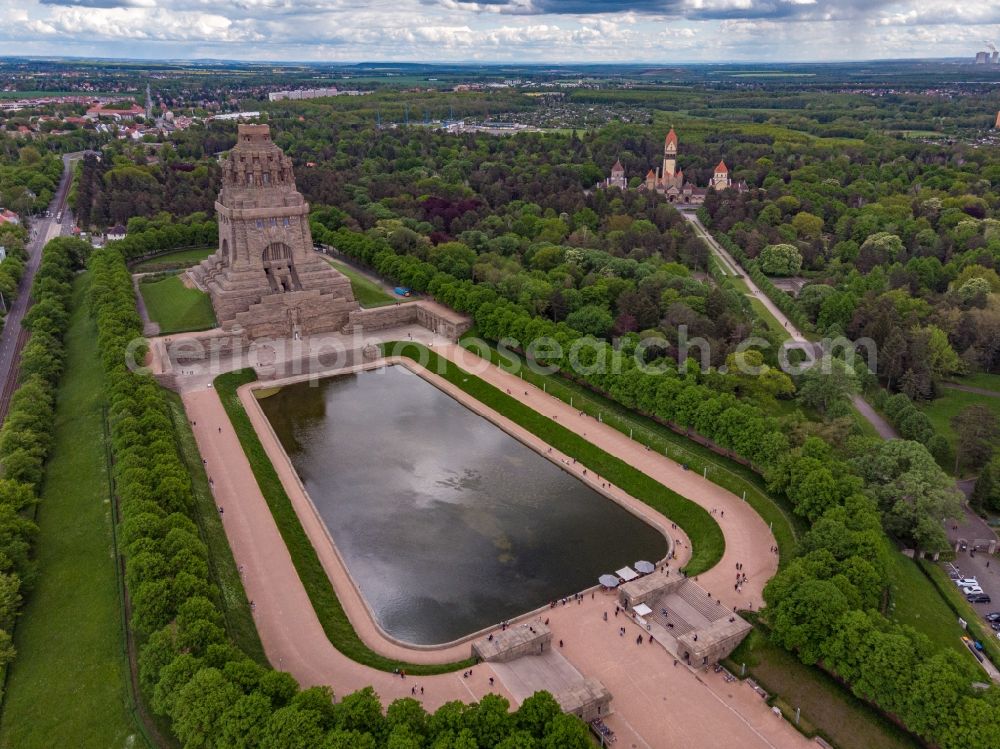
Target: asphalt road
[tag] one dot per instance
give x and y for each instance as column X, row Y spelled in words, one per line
column 42, row 230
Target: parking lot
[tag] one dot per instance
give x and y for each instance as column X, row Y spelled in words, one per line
column 972, row 563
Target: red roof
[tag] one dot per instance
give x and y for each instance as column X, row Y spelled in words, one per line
column 617, row 167
column 672, row 137
column 650, row 173
column 722, row 168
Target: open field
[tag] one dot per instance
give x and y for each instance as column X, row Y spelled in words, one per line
column 176, row 307
column 68, row 684
column 368, row 293
column 832, row 710
column 174, row 260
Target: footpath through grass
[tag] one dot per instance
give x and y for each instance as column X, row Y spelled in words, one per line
column 176, row 307
column 707, row 540
column 233, row 602
column 730, row 475
column 67, row 687
column 310, row 570
column 367, row 292
column 828, row 709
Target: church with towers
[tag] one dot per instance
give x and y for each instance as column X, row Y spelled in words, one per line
column 669, row 179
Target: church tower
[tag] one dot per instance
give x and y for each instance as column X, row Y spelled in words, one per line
column 670, row 155
column 720, row 179
column 265, row 278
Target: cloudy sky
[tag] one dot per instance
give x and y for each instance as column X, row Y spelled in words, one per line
column 649, row 31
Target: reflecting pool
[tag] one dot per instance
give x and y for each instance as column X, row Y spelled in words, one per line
column 447, row 523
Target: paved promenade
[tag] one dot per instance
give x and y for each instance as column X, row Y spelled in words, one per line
column 656, row 703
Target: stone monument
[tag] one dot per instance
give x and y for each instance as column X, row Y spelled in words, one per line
column 265, row 279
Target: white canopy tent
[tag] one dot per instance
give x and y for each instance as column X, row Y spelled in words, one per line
column 626, row 574
column 642, row 610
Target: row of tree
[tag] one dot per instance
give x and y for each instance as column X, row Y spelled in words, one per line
column 13, row 238
column 189, row 669
column 146, row 237
column 26, row 436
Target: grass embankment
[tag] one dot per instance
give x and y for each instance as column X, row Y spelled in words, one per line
column 917, row 603
column 828, row 709
column 706, row 537
column 367, row 292
column 949, row 592
column 176, row 307
column 728, row 474
column 67, row 686
column 233, row 602
column 310, row 570
column 174, row 260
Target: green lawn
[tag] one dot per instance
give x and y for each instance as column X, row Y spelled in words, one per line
column 67, row 686
column 314, row 578
column 367, row 292
column 916, row 602
column 233, row 602
column 827, row 707
column 951, row 402
column 737, row 478
column 174, row 260
column 176, row 307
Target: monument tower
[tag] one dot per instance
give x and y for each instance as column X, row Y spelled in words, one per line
column 265, row 276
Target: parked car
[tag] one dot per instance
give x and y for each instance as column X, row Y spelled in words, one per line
column 993, row 616
column 972, row 590
column 995, row 626
column 963, row 581
column 978, row 598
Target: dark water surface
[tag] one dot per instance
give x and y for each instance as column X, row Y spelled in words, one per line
column 447, row 523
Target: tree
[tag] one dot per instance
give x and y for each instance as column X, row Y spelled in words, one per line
column 987, row 490
column 912, row 491
column 199, row 706
column 242, row 725
column 805, row 617
column 780, row 260
column 536, row 712
column 591, row 320
column 944, row 362
column 826, row 385
column 362, row 711
column 977, row 430
column 807, row 225
column 566, row 732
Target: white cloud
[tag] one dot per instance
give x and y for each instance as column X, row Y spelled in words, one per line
column 651, row 31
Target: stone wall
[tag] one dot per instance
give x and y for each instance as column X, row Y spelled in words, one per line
column 512, row 643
